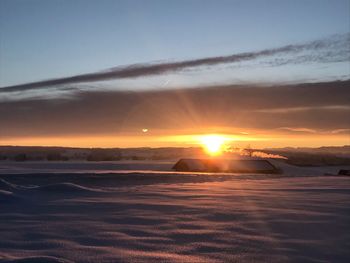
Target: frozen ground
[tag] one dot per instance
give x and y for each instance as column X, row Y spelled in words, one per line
column 168, row 217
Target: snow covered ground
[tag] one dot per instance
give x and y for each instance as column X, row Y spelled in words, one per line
column 171, row 217
column 29, row 167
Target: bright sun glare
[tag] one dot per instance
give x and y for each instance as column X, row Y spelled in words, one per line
column 213, row 143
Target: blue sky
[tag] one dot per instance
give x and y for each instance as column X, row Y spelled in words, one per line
column 50, row 39
column 82, row 56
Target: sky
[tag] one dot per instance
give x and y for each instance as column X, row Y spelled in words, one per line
column 62, row 62
column 51, row 39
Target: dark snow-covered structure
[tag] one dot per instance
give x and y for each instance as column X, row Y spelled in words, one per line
column 225, row 165
column 344, row 172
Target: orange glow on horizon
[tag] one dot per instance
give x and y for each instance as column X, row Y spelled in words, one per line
column 212, row 142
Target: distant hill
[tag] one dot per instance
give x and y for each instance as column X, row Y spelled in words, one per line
column 38, row 153
column 322, row 156
column 344, row 150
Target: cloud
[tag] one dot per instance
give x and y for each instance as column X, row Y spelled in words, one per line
column 341, row 131
column 298, row 130
column 303, row 109
column 332, row 49
column 320, row 106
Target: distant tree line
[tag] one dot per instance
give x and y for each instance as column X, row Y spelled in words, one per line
column 294, row 156
column 21, row 157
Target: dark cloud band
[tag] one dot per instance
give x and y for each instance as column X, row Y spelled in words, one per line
column 339, row 42
column 317, row 106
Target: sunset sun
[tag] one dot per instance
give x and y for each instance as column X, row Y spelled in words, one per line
column 213, row 144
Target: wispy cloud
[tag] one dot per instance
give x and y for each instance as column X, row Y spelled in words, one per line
column 304, row 109
column 332, row 49
column 341, row 131
column 298, row 129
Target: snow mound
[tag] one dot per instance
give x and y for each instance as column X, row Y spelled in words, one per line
column 4, row 185
column 7, row 196
column 40, row 259
column 65, row 188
